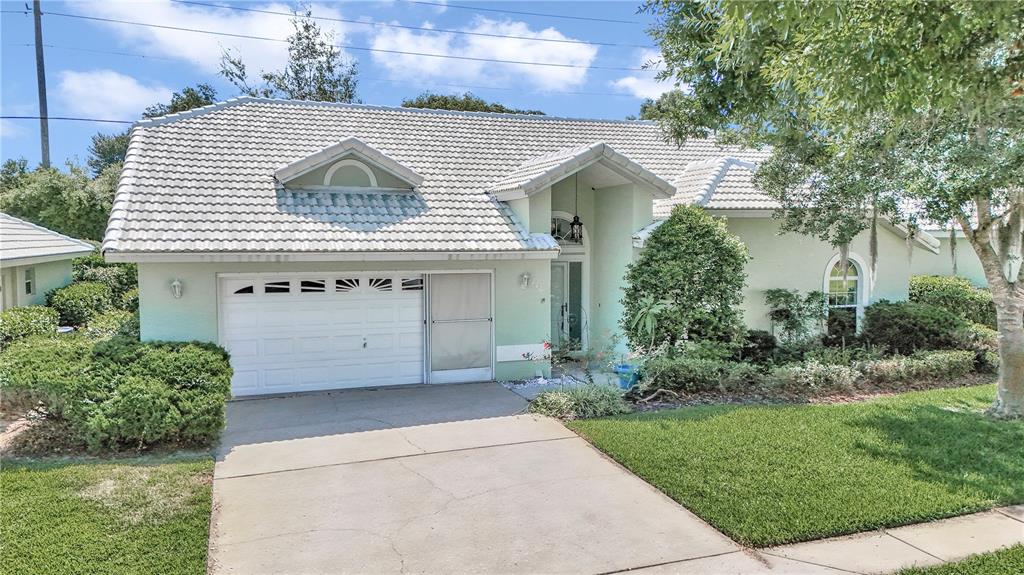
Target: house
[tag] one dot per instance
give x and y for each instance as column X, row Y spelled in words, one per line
column 33, row 261
column 339, row 245
column 952, row 245
column 724, row 187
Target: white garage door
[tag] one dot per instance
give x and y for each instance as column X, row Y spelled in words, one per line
column 306, row 332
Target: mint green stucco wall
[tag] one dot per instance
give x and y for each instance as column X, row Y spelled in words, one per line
column 967, row 263
column 49, row 276
column 795, row 261
column 520, row 315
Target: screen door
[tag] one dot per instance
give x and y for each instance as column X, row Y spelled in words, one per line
column 460, row 327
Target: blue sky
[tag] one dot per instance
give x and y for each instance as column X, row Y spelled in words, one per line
column 83, row 82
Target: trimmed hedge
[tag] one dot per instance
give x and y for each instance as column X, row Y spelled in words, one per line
column 119, row 392
column 929, row 366
column 906, row 327
column 120, row 278
column 19, row 322
column 956, row 295
column 80, row 302
column 112, row 323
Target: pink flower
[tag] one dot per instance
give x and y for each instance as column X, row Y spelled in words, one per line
column 547, row 345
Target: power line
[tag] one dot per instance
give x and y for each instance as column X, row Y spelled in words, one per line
column 347, row 46
column 419, row 28
column 567, row 17
column 360, row 79
column 69, row 118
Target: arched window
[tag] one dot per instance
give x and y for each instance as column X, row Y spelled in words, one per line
column 845, row 298
column 350, row 173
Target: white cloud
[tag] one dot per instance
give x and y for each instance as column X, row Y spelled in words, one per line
column 643, row 84
column 106, row 94
column 204, row 50
column 9, row 129
column 422, row 68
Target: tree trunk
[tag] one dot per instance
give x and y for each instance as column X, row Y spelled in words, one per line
column 1010, row 393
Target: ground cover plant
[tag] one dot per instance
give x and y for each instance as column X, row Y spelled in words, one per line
column 147, row 515
column 773, row 474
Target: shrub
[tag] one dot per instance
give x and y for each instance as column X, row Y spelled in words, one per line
column 120, row 278
column 130, row 300
column 687, row 372
column 841, row 327
column 906, row 327
column 114, row 322
column 742, row 377
column 796, row 317
column 696, row 266
column 931, row 365
column 843, row 355
column 581, row 402
column 19, row 322
column 119, row 392
column 79, row 302
column 758, row 346
column 955, row 295
column 814, row 376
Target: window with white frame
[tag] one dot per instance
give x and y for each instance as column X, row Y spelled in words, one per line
column 30, row 281
column 844, row 299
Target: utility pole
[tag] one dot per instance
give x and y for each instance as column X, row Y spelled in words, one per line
column 44, row 123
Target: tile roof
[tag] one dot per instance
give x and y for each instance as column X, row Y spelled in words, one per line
column 720, row 183
column 21, row 240
column 203, row 181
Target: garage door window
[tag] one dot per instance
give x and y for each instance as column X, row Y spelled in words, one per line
column 277, row 287
column 346, row 284
column 313, row 286
column 380, row 284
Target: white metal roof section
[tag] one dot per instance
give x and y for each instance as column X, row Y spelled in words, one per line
column 541, row 172
column 722, row 183
column 348, row 147
column 203, row 182
column 24, row 243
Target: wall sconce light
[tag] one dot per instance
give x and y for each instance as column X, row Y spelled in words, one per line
column 524, row 280
column 176, row 288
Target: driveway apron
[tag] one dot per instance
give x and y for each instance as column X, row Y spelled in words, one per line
column 432, row 479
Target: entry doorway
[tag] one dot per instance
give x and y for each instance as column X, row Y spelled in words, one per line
column 567, row 305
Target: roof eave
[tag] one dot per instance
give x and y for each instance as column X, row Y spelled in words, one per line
column 276, row 257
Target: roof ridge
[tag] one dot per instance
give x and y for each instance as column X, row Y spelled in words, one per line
column 241, row 100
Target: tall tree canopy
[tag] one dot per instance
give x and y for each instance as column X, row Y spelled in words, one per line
column 68, row 202
column 466, row 102
column 316, row 69
column 872, row 109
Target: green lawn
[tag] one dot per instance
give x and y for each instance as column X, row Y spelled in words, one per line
column 146, row 515
column 1000, row 562
column 777, row 474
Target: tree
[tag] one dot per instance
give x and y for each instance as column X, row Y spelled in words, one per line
column 466, row 102
column 106, row 150
column 315, row 70
column 66, row 202
column 183, row 101
column 873, row 109
column 687, row 283
column 109, row 149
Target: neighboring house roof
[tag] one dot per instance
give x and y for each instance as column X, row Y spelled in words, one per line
column 203, row 181
column 538, row 173
column 23, row 243
column 721, row 183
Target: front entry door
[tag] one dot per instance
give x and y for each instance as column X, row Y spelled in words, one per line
column 566, row 309
column 460, row 327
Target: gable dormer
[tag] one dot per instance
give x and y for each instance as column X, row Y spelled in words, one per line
column 349, row 164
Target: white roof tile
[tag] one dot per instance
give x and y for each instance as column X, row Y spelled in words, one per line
column 720, row 183
column 21, row 240
column 203, row 181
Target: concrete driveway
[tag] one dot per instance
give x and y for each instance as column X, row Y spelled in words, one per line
column 437, row 479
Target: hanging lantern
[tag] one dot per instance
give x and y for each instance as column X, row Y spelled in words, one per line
column 576, row 230
column 576, row 226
